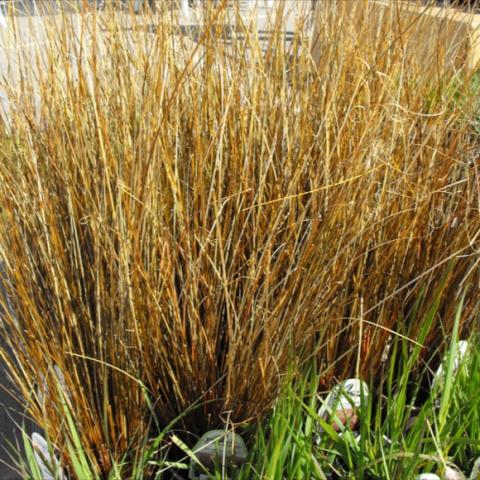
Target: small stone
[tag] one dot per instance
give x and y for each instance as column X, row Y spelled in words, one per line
column 47, row 463
column 427, row 476
column 217, row 449
column 461, row 350
column 343, row 402
column 475, row 474
column 453, row 474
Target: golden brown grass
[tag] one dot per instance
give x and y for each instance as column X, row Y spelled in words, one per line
column 198, row 216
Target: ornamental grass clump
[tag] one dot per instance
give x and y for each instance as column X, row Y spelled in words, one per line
column 186, row 211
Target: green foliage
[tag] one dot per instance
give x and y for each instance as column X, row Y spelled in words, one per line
column 402, row 433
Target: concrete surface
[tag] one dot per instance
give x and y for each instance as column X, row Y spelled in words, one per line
column 29, row 31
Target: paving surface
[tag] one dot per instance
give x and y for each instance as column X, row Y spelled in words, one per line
column 30, row 23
